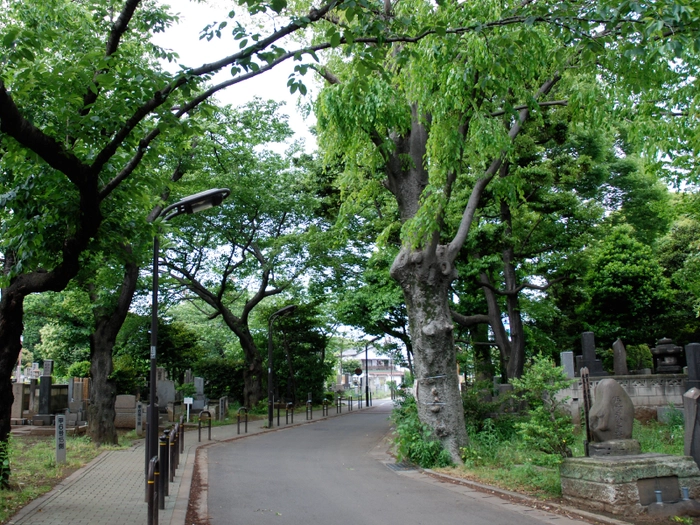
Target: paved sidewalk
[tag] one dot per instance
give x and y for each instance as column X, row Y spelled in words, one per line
column 110, row 489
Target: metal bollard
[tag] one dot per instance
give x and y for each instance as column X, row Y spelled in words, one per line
column 337, row 405
column 152, row 490
column 163, row 477
column 278, row 414
column 172, row 454
column 350, row 404
column 309, row 410
column 324, row 407
column 290, row 408
column 238, row 418
column 201, row 414
column 370, row 399
column 182, row 436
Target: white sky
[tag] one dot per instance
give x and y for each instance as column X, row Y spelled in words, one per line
column 183, row 38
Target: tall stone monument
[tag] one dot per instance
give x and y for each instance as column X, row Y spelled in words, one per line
column 588, row 359
column 620, row 358
column 692, row 354
column 44, row 416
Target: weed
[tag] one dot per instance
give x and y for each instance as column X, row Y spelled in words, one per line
column 414, row 440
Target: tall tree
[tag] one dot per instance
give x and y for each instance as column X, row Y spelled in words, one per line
column 436, row 122
column 260, row 244
column 83, row 102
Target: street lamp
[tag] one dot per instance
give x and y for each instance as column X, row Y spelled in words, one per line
column 270, row 379
column 367, row 370
column 188, row 205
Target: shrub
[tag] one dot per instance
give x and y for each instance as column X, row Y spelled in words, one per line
column 414, row 439
column 79, row 369
column 548, row 427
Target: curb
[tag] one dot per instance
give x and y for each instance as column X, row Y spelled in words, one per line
column 571, row 512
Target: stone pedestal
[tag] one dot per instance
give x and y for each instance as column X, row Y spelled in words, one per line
column 626, row 485
column 614, row 447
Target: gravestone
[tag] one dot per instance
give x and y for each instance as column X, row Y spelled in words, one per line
column 692, row 354
column 567, row 362
column 588, row 359
column 620, row 358
column 125, row 411
column 18, row 402
column 691, row 411
column 189, row 376
column 33, row 404
column 199, row 398
column 165, row 391
column 45, row 389
column 611, row 419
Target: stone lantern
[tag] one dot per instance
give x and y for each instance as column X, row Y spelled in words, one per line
column 667, row 357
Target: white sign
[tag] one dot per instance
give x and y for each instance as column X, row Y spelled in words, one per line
column 188, row 402
column 60, row 438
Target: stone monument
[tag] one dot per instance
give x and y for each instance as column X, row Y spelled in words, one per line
column 44, row 416
column 588, row 359
column 199, row 398
column 692, row 355
column 620, row 358
column 617, row 478
column 567, row 362
column 611, row 419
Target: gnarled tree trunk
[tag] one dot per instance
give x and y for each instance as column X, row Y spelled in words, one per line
column 425, row 279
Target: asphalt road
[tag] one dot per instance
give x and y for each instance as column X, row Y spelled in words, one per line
column 335, row 472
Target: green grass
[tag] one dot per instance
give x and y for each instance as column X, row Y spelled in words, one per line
column 34, row 469
column 499, row 458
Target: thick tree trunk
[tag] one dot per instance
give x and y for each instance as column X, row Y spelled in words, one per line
column 103, row 390
column 425, row 278
column 253, row 391
column 11, row 319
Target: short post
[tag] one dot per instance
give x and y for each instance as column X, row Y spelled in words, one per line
column 182, row 436
column 324, row 407
column 201, row 415
column 172, row 453
column 238, row 418
column 163, row 477
column 60, row 438
column 359, row 398
column 309, row 410
column 152, row 491
column 278, row 413
column 290, row 409
column 370, row 399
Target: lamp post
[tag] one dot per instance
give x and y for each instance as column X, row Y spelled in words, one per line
column 188, row 205
column 270, row 376
column 367, row 370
